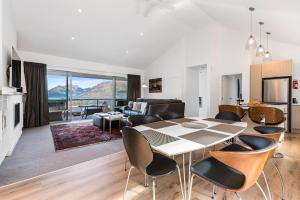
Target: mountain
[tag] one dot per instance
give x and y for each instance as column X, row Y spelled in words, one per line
column 101, row 90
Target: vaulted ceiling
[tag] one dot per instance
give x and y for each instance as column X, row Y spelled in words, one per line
column 123, row 32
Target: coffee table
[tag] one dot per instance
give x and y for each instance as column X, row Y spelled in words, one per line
column 111, row 118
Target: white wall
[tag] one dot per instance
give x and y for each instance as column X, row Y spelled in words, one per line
column 223, row 50
column 9, row 39
column 169, row 68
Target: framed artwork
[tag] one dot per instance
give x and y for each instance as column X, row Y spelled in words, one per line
column 155, row 85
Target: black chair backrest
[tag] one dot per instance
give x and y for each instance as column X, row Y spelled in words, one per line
column 170, row 115
column 138, row 148
column 228, row 116
column 256, row 142
column 137, row 120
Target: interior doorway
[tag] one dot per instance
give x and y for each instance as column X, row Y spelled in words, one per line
column 232, row 89
column 197, row 91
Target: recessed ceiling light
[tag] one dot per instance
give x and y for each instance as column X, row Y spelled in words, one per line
column 80, row 10
column 127, row 52
column 72, row 38
column 141, row 34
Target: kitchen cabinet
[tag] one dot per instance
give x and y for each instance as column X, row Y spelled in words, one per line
column 255, row 82
column 277, row 69
column 267, row 70
column 296, row 116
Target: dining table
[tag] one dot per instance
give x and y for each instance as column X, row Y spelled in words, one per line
column 172, row 138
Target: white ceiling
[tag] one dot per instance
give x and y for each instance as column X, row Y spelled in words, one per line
column 106, row 29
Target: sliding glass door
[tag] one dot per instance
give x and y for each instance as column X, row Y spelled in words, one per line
column 58, row 95
column 77, row 96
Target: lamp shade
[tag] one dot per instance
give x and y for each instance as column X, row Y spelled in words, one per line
column 267, row 56
column 251, row 43
column 144, row 85
column 260, row 51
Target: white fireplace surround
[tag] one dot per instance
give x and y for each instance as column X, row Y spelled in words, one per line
column 9, row 133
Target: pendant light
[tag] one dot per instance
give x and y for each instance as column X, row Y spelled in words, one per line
column 260, row 49
column 267, row 56
column 251, row 42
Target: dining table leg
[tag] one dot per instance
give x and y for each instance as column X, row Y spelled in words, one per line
column 190, row 165
column 186, row 181
column 184, row 174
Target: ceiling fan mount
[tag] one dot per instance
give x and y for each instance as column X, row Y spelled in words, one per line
column 145, row 7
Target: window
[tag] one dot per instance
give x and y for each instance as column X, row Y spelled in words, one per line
column 75, row 95
column 121, row 89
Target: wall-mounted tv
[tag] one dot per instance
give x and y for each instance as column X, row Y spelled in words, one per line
column 14, row 70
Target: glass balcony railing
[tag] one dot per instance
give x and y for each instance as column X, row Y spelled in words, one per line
column 66, row 110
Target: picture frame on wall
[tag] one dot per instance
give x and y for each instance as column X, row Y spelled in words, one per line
column 155, row 85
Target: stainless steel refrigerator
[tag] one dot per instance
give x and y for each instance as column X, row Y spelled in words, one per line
column 276, row 91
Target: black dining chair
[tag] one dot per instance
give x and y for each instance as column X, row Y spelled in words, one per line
column 231, row 116
column 145, row 160
column 234, row 168
column 227, row 115
column 137, row 120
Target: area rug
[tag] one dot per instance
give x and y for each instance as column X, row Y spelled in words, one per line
column 73, row 134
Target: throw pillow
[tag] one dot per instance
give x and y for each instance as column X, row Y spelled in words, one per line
column 130, row 104
column 143, row 108
column 137, row 106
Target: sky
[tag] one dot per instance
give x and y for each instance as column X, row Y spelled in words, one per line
column 55, row 80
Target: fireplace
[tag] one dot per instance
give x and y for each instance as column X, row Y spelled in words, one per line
column 17, row 114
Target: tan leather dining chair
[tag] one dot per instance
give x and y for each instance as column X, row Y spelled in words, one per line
column 232, row 108
column 234, row 171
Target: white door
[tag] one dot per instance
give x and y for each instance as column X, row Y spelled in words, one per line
column 203, row 92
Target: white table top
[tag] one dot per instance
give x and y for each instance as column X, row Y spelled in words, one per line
column 181, row 145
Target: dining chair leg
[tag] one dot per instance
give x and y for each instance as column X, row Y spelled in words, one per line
column 238, row 196
column 190, row 187
column 180, row 181
column 203, row 154
column 267, row 184
column 125, row 165
column 153, row 188
column 127, row 182
column 213, row 192
column 262, row 191
column 146, row 181
column 281, row 180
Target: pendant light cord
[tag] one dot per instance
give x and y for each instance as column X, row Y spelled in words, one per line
column 251, row 21
column 260, row 24
column 267, row 42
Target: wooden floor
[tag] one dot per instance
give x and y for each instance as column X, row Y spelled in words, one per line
column 104, row 178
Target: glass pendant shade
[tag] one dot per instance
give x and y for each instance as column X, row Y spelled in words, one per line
column 267, row 56
column 251, row 43
column 260, row 51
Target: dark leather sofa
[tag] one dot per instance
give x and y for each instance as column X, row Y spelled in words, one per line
column 159, row 106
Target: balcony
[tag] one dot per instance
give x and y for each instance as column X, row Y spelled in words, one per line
column 78, row 109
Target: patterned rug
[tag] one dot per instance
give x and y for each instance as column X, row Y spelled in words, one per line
column 70, row 135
